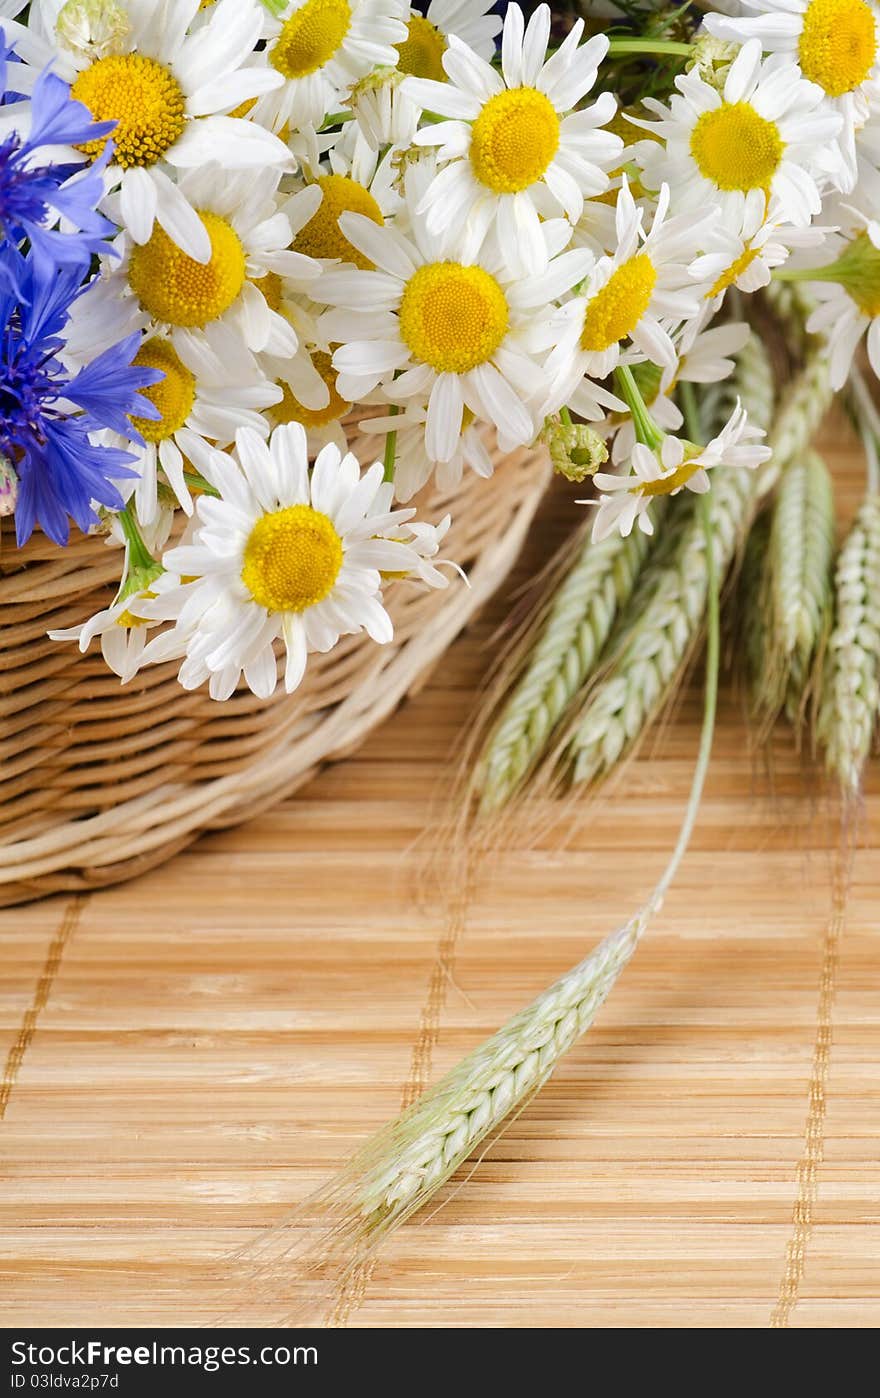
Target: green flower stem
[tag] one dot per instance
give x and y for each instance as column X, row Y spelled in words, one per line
column 275, row 7
column 619, row 48
column 389, row 457
column 336, row 119
column 197, row 482
column 139, row 556
column 646, row 428
column 713, row 665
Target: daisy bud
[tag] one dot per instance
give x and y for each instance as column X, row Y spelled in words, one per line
column 8, row 487
column 712, row 59
column 576, row 450
column 93, row 28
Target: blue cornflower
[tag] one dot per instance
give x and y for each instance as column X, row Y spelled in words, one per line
column 34, row 192
column 48, row 415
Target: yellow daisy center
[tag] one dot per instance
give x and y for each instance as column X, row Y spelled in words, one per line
column 322, row 236
column 667, row 484
column 453, row 317
column 272, row 288
column 128, row 620
column 514, row 139
column 292, row 559
column 311, row 37
column 290, row 409
column 175, row 288
column 838, row 44
column 172, row 396
column 736, row 148
column 736, row 269
column 615, row 311
column 421, row 52
column 144, row 100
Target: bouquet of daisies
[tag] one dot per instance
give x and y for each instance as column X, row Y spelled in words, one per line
column 648, row 237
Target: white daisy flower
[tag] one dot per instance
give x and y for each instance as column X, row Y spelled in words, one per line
column 702, row 356
column 514, row 135
column 706, row 355
column 282, row 554
column 169, row 87
column 121, row 626
column 847, row 288
column 745, row 254
column 241, row 282
column 314, row 211
column 450, row 333
column 320, row 48
column 387, row 115
column 677, row 465
column 427, row 35
column 769, row 131
column 309, row 396
column 836, row 44
column 425, row 540
column 212, row 387
column 414, row 467
column 638, row 295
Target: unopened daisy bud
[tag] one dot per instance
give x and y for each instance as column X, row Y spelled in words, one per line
column 8, row 487
column 385, row 116
column 576, row 450
column 711, row 60
column 93, row 28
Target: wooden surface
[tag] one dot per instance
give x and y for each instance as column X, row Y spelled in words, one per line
column 193, row 1052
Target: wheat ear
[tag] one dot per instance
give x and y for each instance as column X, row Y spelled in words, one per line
column 663, row 621
column 851, row 682
column 797, row 585
column 404, row 1165
column 802, row 407
column 566, row 652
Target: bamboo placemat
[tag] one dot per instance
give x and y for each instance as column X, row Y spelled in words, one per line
column 189, row 1054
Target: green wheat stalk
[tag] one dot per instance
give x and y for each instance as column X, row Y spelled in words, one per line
column 582, row 613
column 658, row 630
column 850, row 701
column 797, row 585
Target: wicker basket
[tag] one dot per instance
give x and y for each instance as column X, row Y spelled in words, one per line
column 102, row 782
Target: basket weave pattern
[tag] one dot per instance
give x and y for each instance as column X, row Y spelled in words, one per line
column 101, row 781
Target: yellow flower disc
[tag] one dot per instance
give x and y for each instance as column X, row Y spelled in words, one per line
column 172, row 396
column 322, row 236
column 736, row 148
column 292, row 559
column 736, row 269
column 615, row 311
column 838, row 44
column 514, row 139
column 181, row 291
column 290, row 409
column 453, row 317
column 311, row 37
column 667, row 484
column 144, row 100
column 421, row 52
column 272, row 288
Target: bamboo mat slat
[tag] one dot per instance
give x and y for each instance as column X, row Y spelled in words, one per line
column 191, row 1053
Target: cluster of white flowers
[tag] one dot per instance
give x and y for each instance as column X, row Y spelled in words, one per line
column 455, row 224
